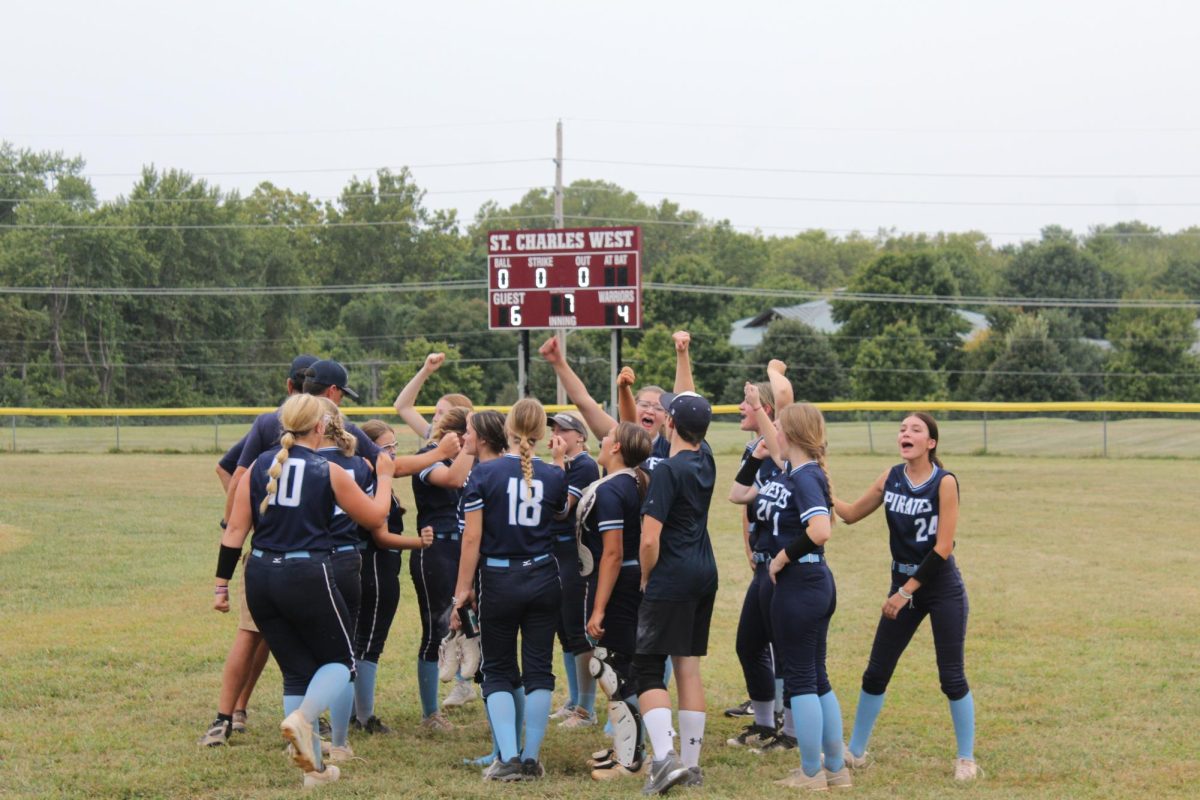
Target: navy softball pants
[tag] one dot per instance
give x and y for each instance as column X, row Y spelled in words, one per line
column 804, row 601
column 944, row 601
column 754, row 636
column 380, row 579
column 524, row 599
column 301, row 613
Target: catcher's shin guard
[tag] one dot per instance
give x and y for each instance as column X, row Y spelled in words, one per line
column 626, row 721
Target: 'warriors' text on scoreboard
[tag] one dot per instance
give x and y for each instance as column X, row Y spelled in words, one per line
column 565, row 278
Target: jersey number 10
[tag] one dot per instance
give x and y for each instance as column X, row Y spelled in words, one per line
column 522, row 509
column 291, row 480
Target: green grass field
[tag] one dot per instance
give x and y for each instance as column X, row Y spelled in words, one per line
column 1083, row 574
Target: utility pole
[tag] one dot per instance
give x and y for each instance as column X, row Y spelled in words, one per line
column 559, row 333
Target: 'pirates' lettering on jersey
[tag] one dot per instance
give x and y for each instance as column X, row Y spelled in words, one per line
column 787, row 502
column 766, row 470
column 912, row 513
column 660, row 449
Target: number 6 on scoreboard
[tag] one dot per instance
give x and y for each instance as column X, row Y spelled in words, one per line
column 514, row 316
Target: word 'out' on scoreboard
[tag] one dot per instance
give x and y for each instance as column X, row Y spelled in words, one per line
column 565, row 278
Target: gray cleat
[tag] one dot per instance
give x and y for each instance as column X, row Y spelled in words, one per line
column 664, row 774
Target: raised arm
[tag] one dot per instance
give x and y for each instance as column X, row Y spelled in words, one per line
column 765, row 426
column 851, row 513
column 449, row 447
column 406, row 401
column 453, row 476
column 744, row 489
column 626, row 402
column 683, row 363
column 781, row 387
column 596, row 418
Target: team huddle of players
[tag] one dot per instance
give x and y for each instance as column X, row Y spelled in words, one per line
column 611, row 555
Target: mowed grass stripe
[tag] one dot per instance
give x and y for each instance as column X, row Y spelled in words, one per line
column 1083, row 577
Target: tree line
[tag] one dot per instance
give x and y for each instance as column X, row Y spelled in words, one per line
column 63, row 348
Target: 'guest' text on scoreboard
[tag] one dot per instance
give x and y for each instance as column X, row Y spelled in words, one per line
column 565, row 278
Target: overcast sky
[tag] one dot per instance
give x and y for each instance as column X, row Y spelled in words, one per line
column 305, row 94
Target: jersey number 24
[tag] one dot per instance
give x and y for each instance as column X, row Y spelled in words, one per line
column 925, row 532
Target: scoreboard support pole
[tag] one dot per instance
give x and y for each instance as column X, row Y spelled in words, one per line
column 523, row 365
column 614, row 370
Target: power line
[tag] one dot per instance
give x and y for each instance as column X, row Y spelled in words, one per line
column 891, row 202
column 309, row 170
column 222, row 203
column 899, row 173
column 281, row 132
column 872, row 129
column 475, row 284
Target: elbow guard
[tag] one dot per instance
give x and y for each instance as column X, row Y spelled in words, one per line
column 227, row 560
column 800, row 547
column 748, row 471
column 930, row 566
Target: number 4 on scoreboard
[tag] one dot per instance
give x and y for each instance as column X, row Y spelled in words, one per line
column 616, row 315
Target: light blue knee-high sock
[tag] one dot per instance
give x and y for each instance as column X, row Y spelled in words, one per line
column 667, row 673
column 869, row 706
column 831, row 731
column 291, row 702
column 364, row 690
column 323, row 690
column 586, row 683
column 518, row 695
column 427, row 686
column 806, row 710
column 778, row 695
column 502, row 712
column 537, row 717
column 485, row 761
column 962, row 711
column 339, row 715
column 572, row 679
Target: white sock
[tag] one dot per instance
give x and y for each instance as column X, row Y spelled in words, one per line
column 658, row 728
column 691, row 736
column 789, row 723
column 764, row 713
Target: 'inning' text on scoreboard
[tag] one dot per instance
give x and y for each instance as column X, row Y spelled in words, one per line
column 565, row 278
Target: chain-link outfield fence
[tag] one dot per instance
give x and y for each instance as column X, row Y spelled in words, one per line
column 1085, row 429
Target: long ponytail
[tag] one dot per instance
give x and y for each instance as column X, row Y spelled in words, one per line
column 526, row 424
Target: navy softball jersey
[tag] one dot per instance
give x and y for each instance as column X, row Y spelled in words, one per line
column 618, row 507
column 660, row 450
column 680, row 492
column 912, row 514
column 343, row 529
column 298, row 515
column 788, row 501
column 582, row 471
column 437, row 507
column 267, row 429
column 516, row 521
column 767, row 470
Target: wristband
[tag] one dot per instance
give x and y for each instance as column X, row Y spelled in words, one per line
column 221, row 589
column 800, row 547
column 748, row 471
column 227, row 560
column 900, row 591
column 224, row 524
column 930, row 566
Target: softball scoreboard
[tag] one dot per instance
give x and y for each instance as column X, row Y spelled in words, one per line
column 565, row 278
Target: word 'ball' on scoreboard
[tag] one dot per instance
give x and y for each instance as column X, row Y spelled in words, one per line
column 565, row 278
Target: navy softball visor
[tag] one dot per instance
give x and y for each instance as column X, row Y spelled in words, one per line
column 571, row 423
column 331, row 373
column 690, row 411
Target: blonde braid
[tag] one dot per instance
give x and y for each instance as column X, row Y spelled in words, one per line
column 285, row 443
column 526, row 445
column 335, row 428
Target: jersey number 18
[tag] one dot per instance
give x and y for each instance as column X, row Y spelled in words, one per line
column 523, row 509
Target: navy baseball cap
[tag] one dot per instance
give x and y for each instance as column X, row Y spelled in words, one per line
column 568, row 421
column 690, row 411
column 331, row 373
column 299, row 364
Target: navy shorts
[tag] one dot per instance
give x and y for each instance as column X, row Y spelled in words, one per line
column 674, row 627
